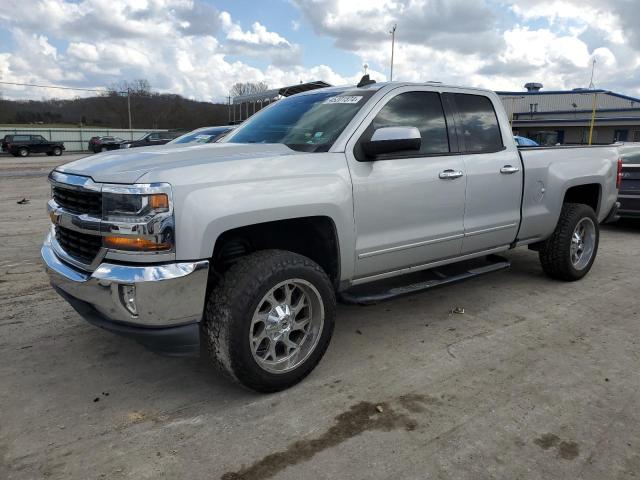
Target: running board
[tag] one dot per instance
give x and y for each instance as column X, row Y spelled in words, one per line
column 375, row 292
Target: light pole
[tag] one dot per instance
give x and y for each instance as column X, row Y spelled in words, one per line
column 393, row 41
column 129, row 106
column 595, row 103
column 512, row 109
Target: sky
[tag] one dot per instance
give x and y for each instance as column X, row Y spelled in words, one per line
column 200, row 48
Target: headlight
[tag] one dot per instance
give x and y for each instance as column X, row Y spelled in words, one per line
column 138, row 218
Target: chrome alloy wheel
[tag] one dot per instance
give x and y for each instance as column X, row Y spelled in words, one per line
column 286, row 326
column 583, row 243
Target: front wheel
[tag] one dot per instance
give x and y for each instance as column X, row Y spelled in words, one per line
column 571, row 250
column 269, row 321
column 57, row 151
column 23, row 152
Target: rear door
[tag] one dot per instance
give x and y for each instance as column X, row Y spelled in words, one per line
column 38, row 144
column 406, row 212
column 493, row 174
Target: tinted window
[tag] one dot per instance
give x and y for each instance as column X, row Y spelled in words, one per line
column 630, row 156
column 422, row 110
column 307, row 122
column 479, row 127
column 38, row 138
column 154, row 136
column 21, row 138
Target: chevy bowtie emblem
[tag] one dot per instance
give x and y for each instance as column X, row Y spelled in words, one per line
column 53, row 217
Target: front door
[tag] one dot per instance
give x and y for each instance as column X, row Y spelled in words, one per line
column 409, row 207
column 494, row 175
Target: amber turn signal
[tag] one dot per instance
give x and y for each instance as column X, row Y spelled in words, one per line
column 159, row 201
column 134, row 244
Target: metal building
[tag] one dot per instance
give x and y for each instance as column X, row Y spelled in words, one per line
column 564, row 116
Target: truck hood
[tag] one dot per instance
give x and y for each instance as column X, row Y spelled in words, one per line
column 127, row 166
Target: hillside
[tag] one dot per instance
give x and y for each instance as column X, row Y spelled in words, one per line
column 147, row 111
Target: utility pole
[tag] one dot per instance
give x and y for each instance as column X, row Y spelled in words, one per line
column 595, row 102
column 129, row 105
column 393, row 41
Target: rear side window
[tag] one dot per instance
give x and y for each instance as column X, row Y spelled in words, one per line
column 479, row 129
column 422, row 110
column 21, row 138
column 631, row 157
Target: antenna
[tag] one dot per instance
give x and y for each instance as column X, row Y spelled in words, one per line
column 366, row 67
column 593, row 68
column 393, row 41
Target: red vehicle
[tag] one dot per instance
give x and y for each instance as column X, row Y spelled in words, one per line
column 102, row 144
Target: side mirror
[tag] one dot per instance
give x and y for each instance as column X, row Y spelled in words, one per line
column 392, row 139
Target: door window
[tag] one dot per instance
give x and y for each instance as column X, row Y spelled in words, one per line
column 422, row 110
column 479, row 127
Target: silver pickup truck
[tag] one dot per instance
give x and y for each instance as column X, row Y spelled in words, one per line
column 240, row 248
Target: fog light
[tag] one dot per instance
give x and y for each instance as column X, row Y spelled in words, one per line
column 128, row 298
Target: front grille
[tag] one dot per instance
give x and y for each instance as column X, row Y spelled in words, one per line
column 79, row 201
column 81, row 246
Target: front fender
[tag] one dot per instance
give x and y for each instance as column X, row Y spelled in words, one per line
column 207, row 210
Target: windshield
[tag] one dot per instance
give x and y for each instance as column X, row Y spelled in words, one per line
column 309, row 123
column 201, row 136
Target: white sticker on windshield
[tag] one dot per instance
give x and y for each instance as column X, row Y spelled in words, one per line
column 344, row 99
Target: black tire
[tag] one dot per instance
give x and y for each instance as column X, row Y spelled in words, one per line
column 23, row 152
column 57, row 151
column 232, row 303
column 555, row 252
column 103, row 149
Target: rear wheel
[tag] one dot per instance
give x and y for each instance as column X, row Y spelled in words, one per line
column 571, row 250
column 103, row 149
column 269, row 321
column 23, row 152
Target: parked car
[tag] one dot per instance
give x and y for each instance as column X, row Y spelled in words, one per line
column 25, row 145
column 525, row 142
column 203, row 135
column 243, row 245
column 7, row 139
column 102, row 144
column 629, row 196
column 151, row 139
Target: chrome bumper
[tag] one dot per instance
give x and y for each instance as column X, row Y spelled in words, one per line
column 165, row 295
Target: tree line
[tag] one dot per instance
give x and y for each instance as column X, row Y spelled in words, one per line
column 149, row 109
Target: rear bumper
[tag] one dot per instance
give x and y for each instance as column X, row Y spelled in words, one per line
column 629, row 205
column 158, row 305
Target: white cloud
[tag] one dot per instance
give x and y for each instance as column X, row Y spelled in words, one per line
column 191, row 48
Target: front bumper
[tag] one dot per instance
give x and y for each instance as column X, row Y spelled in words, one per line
column 168, row 299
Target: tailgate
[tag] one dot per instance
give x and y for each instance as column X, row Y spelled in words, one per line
column 630, row 180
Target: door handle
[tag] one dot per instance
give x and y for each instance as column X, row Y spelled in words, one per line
column 508, row 169
column 450, row 174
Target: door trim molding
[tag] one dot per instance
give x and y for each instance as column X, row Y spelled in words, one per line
column 409, row 245
column 489, row 230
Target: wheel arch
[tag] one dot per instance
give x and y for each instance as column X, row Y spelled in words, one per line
column 315, row 237
column 587, row 193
